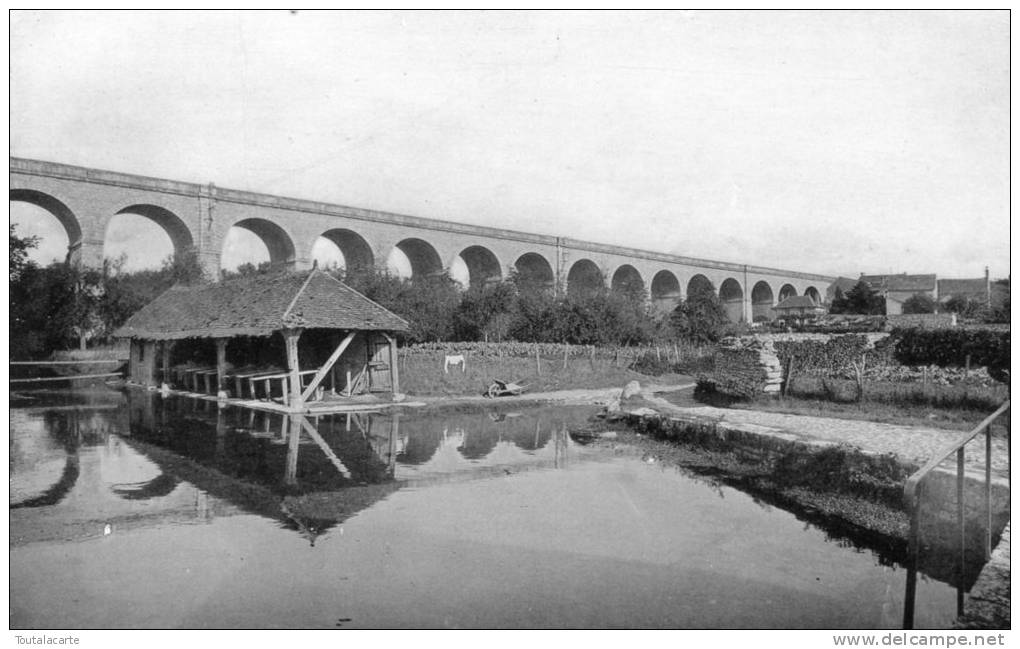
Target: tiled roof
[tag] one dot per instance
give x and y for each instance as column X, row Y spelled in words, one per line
column 974, row 288
column 902, row 282
column 845, row 284
column 796, row 302
column 257, row 306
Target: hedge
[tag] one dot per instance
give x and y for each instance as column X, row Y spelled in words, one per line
column 951, row 347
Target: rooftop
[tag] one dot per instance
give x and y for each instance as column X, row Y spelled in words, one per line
column 797, row 302
column 258, row 305
column 902, row 282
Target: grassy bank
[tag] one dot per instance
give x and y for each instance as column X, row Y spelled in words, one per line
column 423, row 374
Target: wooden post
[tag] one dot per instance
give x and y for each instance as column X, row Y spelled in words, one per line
column 394, row 372
column 168, row 345
column 293, row 445
column 538, row 360
column 221, row 363
column 394, row 433
column 566, row 351
column 290, row 339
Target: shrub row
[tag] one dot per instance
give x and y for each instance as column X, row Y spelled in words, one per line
column 953, row 347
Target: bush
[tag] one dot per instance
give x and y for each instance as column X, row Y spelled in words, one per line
column 952, row 347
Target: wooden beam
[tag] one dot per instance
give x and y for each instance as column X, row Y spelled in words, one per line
column 324, row 370
column 333, row 459
column 71, row 377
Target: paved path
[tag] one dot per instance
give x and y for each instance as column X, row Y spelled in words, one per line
column 914, row 443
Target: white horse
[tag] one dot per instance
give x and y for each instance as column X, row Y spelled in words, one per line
column 456, row 359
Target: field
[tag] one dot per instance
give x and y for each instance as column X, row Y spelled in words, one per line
column 539, row 367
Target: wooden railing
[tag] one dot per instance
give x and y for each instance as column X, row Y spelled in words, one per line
column 912, row 493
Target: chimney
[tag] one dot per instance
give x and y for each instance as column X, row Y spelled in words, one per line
column 988, row 289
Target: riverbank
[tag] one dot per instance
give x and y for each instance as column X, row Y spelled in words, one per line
column 846, row 476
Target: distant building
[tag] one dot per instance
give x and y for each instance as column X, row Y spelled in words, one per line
column 844, row 284
column 897, row 289
column 798, row 307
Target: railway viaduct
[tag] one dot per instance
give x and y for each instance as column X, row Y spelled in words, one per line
column 200, row 216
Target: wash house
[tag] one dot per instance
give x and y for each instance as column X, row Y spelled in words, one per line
column 287, row 341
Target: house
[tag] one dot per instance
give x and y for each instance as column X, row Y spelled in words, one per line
column 844, row 284
column 897, row 289
column 798, row 307
column 275, row 340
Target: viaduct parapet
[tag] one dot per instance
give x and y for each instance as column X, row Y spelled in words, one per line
column 199, row 217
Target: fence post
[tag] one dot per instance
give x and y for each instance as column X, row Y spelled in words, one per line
column 538, row 360
column 566, row 351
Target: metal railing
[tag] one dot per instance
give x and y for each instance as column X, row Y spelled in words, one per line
column 912, row 494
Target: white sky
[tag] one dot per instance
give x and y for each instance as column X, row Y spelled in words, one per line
column 830, row 142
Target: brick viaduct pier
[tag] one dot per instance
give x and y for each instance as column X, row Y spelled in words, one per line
column 200, row 216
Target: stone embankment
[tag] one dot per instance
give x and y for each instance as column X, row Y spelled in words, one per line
column 908, row 446
column 987, row 606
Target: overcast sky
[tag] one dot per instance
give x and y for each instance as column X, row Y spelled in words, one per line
column 829, row 142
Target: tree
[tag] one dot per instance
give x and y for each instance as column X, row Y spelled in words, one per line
column 965, row 307
column 485, row 312
column 919, row 303
column 860, row 300
column 1000, row 301
column 247, row 269
column 19, row 247
column 700, row 317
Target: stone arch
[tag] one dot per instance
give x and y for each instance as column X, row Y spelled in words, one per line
column 173, row 225
column 732, row 297
column 482, row 265
column 534, row 270
column 278, row 242
column 813, row 293
column 762, row 301
column 424, row 259
column 584, row 278
column 355, row 249
column 56, row 207
column 700, row 284
column 628, row 280
column 786, row 291
column 665, row 286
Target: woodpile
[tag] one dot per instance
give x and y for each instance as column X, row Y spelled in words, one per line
column 746, row 367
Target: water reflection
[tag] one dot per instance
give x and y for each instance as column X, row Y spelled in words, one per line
column 308, row 474
column 173, row 495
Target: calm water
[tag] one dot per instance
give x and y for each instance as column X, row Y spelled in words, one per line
column 128, row 510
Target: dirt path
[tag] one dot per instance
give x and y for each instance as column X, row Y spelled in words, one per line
column 914, row 443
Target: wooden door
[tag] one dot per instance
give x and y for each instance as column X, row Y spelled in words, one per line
column 379, row 379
